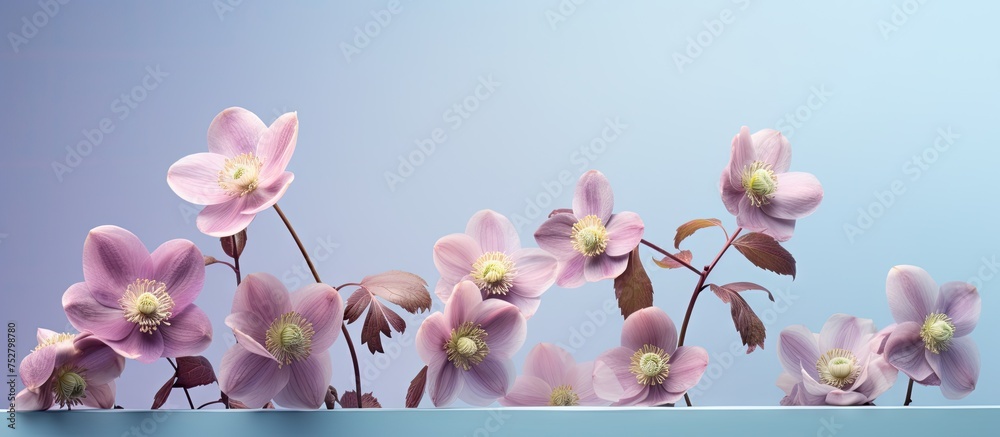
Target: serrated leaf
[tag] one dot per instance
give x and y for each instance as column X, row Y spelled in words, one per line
column 407, row 290
column 234, row 244
column 416, row 390
column 744, row 286
column 356, row 305
column 350, row 400
column 765, row 252
column 689, row 228
column 751, row 329
column 377, row 323
column 163, row 393
column 193, row 372
column 380, row 320
column 669, row 263
column 633, row 289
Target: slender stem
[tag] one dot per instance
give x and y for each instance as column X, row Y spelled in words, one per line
column 217, row 401
column 186, row 392
column 347, row 285
column 671, row 256
column 236, row 268
column 909, row 392
column 343, row 327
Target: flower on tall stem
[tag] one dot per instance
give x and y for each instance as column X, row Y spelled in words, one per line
column 759, row 190
column 68, row 370
column 930, row 344
column 591, row 243
column 468, row 348
column 282, row 341
column 489, row 254
column 243, row 172
column 141, row 304
column 553, row 378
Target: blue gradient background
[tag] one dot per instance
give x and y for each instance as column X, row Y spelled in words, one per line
column 558, row 85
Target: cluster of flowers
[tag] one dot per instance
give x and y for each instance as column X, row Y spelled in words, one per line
column 136, row 304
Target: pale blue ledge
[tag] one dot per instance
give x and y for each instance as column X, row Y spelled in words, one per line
column 610, row 422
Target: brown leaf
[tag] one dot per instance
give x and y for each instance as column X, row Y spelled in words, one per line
column 350, row 400
column 744, row 286
column 378, row 323
column 163, row 393
column 416, row 391
column 633, row 289
column 356, row 305
column 407, row 290
column 331, row 398
column 765, row 252
column 689, row 228
column 193, row 372
column 669, row 263
column 747, row 323
column 233, row 245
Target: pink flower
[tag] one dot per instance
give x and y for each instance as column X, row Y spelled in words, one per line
column 648, row 369
column 283, row 339
column 591, row 244
column 243, row 173
column 489, row 253
column 838, row 366
column 552, row 378
column 760, row 191
column 931, row 343
column 140, row 304
column 69, row 370
column 468, row 348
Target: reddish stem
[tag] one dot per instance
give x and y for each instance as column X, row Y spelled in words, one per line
column 671, row 256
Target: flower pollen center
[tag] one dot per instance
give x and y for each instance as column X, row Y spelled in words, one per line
column 838, row 368
column 70, row 388
column 289, row 338
column 564, row 396
column 55, row 339
column 240, row 175
column 589, row 236
column 760, row 183
column 937, row 332
column 147, row 304
column 649, row 365
column 467, row 346
column 494, row 273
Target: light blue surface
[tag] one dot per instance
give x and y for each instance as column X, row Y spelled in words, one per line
column 560, row 87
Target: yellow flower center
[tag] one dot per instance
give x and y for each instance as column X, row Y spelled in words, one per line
column 467, row 346
column 838, row 368
column 55, row 339
column 147, row 304
column 494, row 273
column 564, row 396
column 289, row 338
column 589, row 236
column 239, row 175
column 70, row 388
column 649, row 365
column 937, row 331
column 759, row 182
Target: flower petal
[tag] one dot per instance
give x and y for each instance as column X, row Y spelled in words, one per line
column 613, row 381
column 958, row 367
column 100, row 363
column 731, row 195
column 322, row 306
column 223, row 220
column 812, row 386
column 771, row 147
column 658, row 395
column 912, row 293
column 493, row 232
column 454, row 256
column 195, row 178
column 277, row 144
column 754, row 219
column 554, row 236
column 571, row 273
column 881, row 377
column 444, row 383
column 245, row 329
column 798, row 195
column 593, row 196
column 843, row 331
column 526, row 305
column 234, row 131
column 536, row 272
column 624, row 233
column 37, row 367
column 550, row 363
column 432, row 335
column 798, row 349
column 649, row 326
column 461, row 306
column 528, row 391
column 35, row 400
column 181, row 266
column 264, row 295
column 601, row 267
column 250, row 378
column 581, row 379
column 741, row 156
column 960, row 301
column 845, row 398
column 142, row 346
column 265, row 196
column 505, row 327
column 905, row 350
column 687, row 365
column 100, row 396
column 308, row 381
column 86, row 314
column 113, row 258
column 189, row 333
column 489, row 380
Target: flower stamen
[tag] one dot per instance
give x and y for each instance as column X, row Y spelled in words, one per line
column 937, row 332
column 147, row 304
column 55, row 339
column 494, row 273
column 289, row 338
column 467, row 346
column 649, row 365
column 564, row 396
column 838, row 368
column 759, row 183
column 240, row 175
column 69, row 387
column 589, row 236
